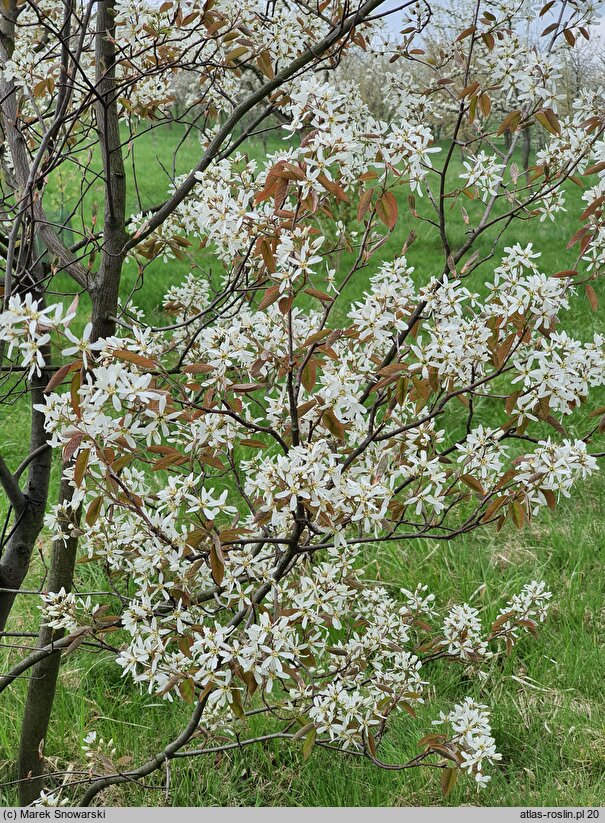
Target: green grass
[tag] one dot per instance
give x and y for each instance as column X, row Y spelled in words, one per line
column 550, row 727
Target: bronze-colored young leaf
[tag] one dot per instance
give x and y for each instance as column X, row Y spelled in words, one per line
column 217, row 564
column 592, row 297
column 517, row 513
column 135, row 359
column 93, row 510
column 80, row 467
column 364, row 204
column 387, row 209
column 448, row 781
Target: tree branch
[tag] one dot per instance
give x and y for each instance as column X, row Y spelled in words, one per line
column 31, row 660
column 168, row 753
column 11, row 487
column 212, row 152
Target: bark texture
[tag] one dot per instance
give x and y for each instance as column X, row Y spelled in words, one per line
column 104, row 292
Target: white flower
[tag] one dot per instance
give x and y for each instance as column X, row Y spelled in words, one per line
column 50, row 799
column 82, row 346
column 484, row 172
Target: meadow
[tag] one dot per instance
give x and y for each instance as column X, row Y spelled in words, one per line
column 547, row 700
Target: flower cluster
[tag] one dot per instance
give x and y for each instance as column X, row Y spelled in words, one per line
column 26, row 326
column 63, row 610
column 526, row 609
column 463, row 633
column 552, row 469
column 472, row 736
column 484, row 172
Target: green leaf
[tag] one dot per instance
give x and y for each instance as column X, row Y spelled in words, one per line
column 309, row 743
column 236, row 706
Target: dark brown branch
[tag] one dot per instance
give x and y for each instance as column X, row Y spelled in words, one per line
column 11, row 487
column 156, row 762
column 213, row 151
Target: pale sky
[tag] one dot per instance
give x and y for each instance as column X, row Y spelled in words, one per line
column 597, row 31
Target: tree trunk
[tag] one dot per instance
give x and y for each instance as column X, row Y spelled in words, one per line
column 28, row 521
column 104, row 293
column 43, row 683
column 29, row 512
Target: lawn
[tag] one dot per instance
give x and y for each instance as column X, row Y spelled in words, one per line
column 547, row 700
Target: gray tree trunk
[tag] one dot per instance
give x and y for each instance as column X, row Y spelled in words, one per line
column 29, row 517
column 104, row 293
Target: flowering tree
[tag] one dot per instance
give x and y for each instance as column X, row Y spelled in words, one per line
column 232, row 470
